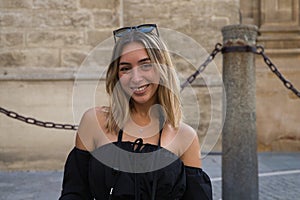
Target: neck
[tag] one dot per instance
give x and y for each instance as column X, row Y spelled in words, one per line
column 141, row 117
column 145, row 115
column 143, row 110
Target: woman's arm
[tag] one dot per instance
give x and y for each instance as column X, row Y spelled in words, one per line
column 90, row 129
column 191, row 156
column 198, row 184
column 75, row 182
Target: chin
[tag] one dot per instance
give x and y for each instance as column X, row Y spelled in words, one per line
column 140, row 101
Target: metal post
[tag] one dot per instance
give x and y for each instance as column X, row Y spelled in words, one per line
column 239, row 157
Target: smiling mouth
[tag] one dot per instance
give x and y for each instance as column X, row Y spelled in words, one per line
column 140, row 89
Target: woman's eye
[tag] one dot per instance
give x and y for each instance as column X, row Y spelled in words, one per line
column 146, row 66
column 125, row 69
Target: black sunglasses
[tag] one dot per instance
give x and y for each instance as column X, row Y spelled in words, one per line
column 144, row 28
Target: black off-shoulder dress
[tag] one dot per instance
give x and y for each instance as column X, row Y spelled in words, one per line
column 132, row 171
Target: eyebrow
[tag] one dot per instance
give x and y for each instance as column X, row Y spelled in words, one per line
column 140, row 61
column 144, row 60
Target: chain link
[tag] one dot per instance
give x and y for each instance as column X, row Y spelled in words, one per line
column 33, row 121
column 218, row 48
column 29, row 120
column 191, row 78
column 273, row 68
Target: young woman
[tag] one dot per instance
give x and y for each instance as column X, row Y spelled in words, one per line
column 137, row 147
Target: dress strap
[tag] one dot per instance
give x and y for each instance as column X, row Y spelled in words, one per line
column 120, row 135
column 161, row 126
column 159, row 139
column 154, row 185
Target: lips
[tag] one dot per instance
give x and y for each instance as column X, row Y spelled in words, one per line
column 139, row 90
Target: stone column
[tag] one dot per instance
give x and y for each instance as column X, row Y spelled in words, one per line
column 239, row 158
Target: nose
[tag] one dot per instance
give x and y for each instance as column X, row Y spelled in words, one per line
column 136, row 75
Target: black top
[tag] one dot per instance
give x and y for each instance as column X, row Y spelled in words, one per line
column 132, row 170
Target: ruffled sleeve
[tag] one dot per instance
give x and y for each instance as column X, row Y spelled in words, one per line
column 75, row 183
column 198, row 185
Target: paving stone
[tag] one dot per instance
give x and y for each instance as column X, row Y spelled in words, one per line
column 279, row 179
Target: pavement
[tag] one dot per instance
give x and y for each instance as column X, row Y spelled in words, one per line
column 279, row 178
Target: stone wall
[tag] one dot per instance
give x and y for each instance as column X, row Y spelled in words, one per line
column 278, row 109
column 43, row 44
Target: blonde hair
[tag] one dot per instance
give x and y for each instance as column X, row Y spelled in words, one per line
column 168, row 90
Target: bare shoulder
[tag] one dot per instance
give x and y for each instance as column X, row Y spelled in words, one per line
column 93, row 123
column 190, row 146
column 187, row 130
column 94, row 117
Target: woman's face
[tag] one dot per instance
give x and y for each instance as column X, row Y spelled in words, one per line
column 138, row 75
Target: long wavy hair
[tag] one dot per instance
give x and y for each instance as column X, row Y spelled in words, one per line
column 168, row 90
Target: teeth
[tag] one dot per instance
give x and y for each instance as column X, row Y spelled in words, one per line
column 140, row 88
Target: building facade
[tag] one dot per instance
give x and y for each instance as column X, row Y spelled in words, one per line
column 44, row 44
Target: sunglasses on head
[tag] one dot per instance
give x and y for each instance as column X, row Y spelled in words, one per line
column 144, row 28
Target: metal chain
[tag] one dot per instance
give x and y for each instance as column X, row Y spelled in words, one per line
column 190, row 79
column 33, row 121
column 287, row 84
column 30, row 120
column 218, row 48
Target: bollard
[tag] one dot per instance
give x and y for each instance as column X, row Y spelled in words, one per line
column 239, row 149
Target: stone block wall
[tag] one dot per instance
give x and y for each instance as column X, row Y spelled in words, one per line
column 277, row 108
column 43, row 43
column 53, row 33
